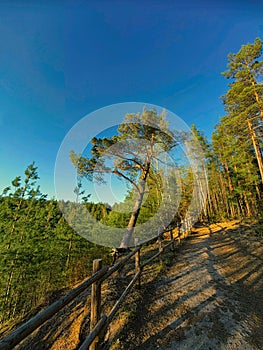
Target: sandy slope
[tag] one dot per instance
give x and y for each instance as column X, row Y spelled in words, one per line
column 207, row 295
column 209, row 298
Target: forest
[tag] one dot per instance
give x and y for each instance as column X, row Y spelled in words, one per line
column 42, row 256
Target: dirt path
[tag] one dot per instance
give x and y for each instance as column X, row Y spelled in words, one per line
column 210, row 296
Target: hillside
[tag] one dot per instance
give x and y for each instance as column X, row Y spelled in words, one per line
column 206, row 295
column 210, row 296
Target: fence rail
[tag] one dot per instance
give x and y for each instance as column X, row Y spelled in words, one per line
column 98, row 323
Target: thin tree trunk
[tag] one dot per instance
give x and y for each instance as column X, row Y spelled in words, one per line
column 69, row 252
column 257, row 99
column 8, row 286
column 256, row 148
column 248, row 210
column 11, row 234
column 126, row 241
column 223, row 191
column 258, row 193
column 228, row 176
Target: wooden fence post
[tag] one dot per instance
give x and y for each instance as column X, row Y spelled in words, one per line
column 179, row 232
column 172, row 239
column 95, row 304
column 138, row 266
column 160, row 246
column 138, row 261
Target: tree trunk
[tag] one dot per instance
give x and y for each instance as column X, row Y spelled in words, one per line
column 69, row 252
column 126, row 241
column 223, row 192
column 256, row 148
column 257, row 99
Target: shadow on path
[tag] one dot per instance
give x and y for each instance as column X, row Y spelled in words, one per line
column 210, row 298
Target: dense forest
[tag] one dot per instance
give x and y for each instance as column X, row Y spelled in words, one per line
column 41, row 255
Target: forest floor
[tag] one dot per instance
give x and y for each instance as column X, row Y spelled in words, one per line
column 207, row 294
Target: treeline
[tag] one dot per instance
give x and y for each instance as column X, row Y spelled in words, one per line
column 235, row 156
column 40, row 253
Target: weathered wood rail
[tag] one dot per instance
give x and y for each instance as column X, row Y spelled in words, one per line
column 99, row 324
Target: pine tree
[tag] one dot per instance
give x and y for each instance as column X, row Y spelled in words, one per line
column 138, row 145
column 237, row 168
column 244, row 100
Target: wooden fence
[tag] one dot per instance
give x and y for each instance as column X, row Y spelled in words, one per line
column 98, row 323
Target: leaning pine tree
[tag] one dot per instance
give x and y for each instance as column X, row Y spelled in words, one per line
column 135, row 153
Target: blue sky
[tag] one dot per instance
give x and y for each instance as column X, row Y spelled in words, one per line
column 61, row 60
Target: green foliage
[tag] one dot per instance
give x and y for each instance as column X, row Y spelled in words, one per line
column 244, row 99
column 98, row 210
column 135, row 151
column 40, row 253
column 123, row 148
column 236, row 165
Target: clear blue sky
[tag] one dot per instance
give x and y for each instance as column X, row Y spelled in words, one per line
column 60, row 60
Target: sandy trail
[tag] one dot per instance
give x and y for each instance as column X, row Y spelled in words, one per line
column 210, row 297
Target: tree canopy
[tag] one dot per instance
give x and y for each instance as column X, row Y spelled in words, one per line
column 136, row 153
column 244, row 99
